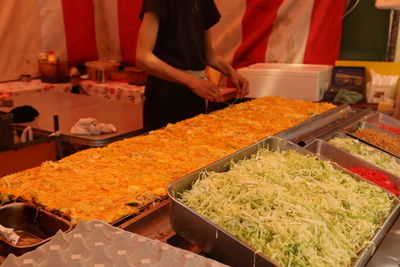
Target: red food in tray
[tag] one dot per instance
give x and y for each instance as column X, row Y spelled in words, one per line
column 392, row 129
column 377, row 178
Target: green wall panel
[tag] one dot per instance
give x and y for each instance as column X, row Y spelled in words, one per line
column 365, row 33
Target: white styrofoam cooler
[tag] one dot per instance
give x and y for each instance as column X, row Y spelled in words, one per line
column 294, row 81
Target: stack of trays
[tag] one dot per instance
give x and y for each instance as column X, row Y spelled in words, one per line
column 375, row 136
column 364, row 151
column 96, row 243
column 385, row 124
column 324, row 148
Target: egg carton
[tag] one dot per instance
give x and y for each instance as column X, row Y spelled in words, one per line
column 96, row 243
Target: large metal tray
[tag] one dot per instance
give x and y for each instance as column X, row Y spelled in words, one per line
column 99, row 140
column 365, row 125
column 225, row 247
column 329, row 121
column 145, row 209
column 378, row 118
column 345, row 159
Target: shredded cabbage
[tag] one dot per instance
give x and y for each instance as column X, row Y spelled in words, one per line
column 368, row 153
column 294, row 208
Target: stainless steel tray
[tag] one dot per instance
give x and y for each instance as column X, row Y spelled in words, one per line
column 329, row 121
column 378, row 118
column 35, row 226
column 365, row 125
column 146, row 209
column 329, row 136
column 225, row 247
column 99, row 140
column 153, row 223
column 345, row 159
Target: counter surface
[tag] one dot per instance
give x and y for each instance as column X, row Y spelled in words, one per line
column 126, row 117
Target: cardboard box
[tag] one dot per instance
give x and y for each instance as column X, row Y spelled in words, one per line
column 294, row 81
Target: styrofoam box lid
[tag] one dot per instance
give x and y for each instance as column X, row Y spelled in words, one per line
column 279, row 69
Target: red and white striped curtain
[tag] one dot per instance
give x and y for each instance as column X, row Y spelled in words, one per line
column 90, row 29
column 287, row 31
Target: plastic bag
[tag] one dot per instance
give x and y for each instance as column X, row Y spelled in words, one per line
column 381, row 87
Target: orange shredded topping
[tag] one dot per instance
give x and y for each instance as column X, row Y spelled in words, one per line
column 97, row 183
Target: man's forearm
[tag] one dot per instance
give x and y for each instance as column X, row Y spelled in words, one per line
column 220, row 65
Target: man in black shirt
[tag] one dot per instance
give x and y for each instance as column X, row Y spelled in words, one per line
column 174, row 47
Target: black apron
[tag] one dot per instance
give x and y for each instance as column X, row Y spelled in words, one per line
column 168, row 102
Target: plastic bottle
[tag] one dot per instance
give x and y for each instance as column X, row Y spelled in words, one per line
column 51, row 57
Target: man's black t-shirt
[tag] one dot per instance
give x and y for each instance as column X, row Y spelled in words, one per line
column 180, row 41
column 181, row 44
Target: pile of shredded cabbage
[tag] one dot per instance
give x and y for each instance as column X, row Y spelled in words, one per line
column 368, row 153
column 296, row 209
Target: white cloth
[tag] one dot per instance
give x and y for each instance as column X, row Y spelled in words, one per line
column 27, row 135
column 90, row 126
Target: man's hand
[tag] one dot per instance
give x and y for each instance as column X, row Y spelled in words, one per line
column 240, row 83
column 206, row 90
column 215, row 61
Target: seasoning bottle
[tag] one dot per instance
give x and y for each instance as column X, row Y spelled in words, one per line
column 51, row 57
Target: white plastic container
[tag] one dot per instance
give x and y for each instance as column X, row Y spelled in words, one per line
column 294, row 81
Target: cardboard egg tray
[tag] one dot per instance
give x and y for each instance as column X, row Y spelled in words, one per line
column 96, row 243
